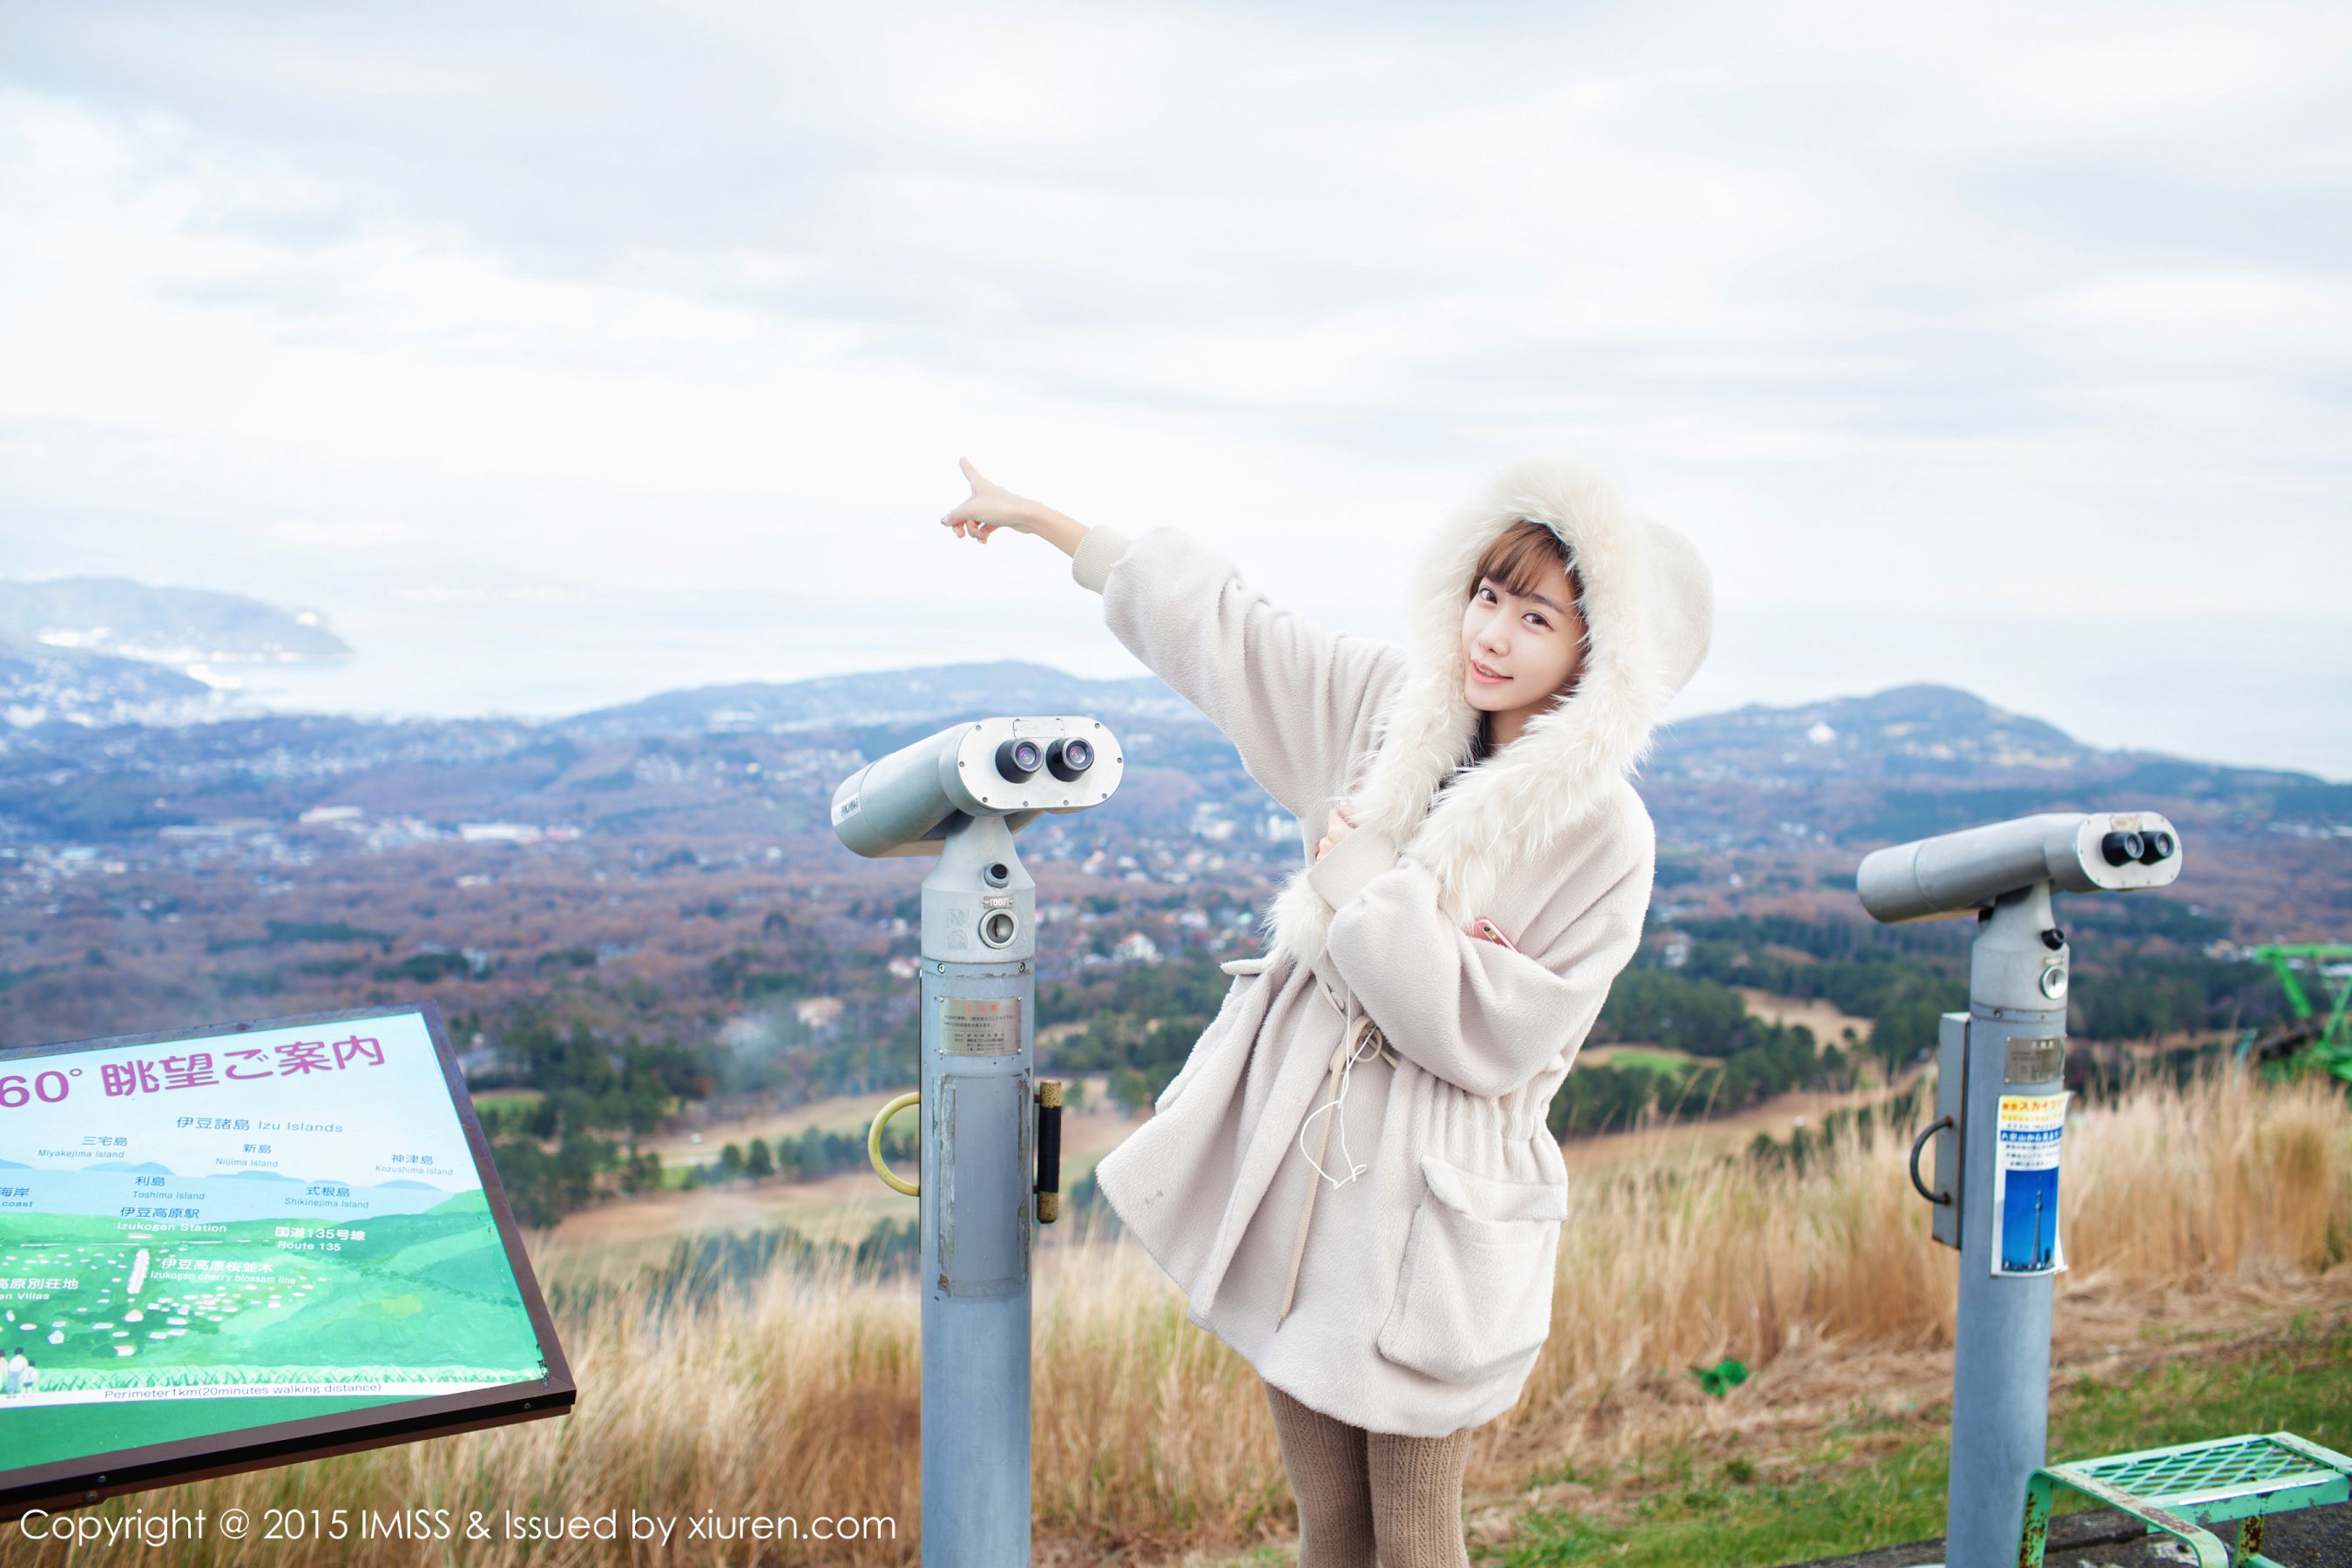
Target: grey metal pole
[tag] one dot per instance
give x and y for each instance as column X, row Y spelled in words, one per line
column 2000, row 1364
column 2005, row 1055
column 979, row 1001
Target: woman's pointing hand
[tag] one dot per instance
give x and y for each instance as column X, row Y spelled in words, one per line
column 991, row 507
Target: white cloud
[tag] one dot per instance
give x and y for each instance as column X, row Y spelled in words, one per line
column 1906, row 308
column 343, row 533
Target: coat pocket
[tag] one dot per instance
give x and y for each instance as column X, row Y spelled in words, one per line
column 1474, row 1293
column 1244, row 970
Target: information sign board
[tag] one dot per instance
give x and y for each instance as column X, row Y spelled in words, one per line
column 246, row 1244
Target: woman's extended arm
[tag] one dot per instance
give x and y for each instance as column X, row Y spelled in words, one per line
column 1287, row 693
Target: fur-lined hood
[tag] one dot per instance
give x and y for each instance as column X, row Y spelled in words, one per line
column 1648, row 607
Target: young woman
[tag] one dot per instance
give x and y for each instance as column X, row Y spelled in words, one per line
column 1477, row 868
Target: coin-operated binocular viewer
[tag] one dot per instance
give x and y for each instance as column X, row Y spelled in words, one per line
column 2000, row 1104
column 961, row 794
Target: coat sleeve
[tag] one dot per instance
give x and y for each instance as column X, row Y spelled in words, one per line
column 1285, row 691
column 1481, row 1016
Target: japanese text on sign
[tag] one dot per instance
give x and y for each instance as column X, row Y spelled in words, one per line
column 197, row 1070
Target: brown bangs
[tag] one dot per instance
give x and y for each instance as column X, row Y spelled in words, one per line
column 1515, row 561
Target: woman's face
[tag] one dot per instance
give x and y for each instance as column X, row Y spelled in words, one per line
column 1535, row 641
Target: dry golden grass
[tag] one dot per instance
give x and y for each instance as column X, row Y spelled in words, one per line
column 1668, row 1261
column 1152, row 1440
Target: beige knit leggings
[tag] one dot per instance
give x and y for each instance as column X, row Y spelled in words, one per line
column 1365, row 1493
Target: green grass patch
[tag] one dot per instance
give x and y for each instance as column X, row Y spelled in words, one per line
column 1648, row 1061
column 1688, row 1509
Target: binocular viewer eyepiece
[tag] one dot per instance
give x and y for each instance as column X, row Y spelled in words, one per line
column 1017, row 769
column 1067, row 757
column 2148, row 848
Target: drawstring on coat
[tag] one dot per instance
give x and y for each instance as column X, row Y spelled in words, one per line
column 1347, row 1055
column 1351, row 1050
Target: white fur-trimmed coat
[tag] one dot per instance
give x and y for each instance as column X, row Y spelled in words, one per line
column 1423, row 1292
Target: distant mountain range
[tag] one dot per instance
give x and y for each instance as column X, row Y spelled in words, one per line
column 1890, row 765
column 163, row 626
column 101, row 651
column 1920, row 759
column 107, row 650
column 1907, row 738
column 118, row 652
column 40, row 684
column 1918, row 735
column 887, row 696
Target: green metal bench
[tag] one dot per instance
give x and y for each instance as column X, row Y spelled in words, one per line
column 2179, row 1490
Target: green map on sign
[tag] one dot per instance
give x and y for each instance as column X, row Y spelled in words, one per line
column 211, row 1235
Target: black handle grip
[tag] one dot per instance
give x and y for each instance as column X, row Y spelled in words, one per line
column 1921, row 1142
column 1049, row 1152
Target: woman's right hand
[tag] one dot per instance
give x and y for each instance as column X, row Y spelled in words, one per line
column 1338, row 825
column 989, row 507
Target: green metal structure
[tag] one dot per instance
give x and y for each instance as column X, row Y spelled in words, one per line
column 2180, row 1491
column 2327, row 1033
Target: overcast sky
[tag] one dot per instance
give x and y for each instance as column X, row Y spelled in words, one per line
column 1999, row 346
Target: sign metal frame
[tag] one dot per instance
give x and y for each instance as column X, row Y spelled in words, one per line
column 68, row 1484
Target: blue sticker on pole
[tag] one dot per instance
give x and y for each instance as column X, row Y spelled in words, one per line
column 2025, row 1185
